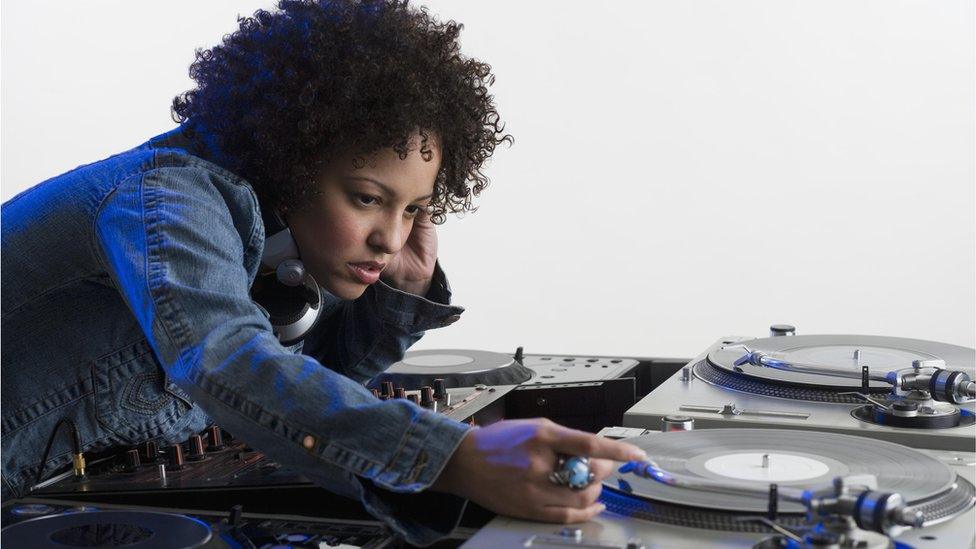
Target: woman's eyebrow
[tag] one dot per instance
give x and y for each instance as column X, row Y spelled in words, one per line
column 386, row 188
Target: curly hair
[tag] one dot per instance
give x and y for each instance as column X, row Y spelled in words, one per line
column 293, row 89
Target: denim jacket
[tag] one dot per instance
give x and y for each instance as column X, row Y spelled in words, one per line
column 126, row 308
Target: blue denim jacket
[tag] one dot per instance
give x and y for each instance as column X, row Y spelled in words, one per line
column 126, row 308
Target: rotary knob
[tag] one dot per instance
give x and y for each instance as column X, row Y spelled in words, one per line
column 387, row 389
column 174, row 455
column 215, row 439
column 195, row 444
column 427, row 396
column 400, row 392
column 440, row 389
column 131, row 460
column 412, row 397
column 151, row 451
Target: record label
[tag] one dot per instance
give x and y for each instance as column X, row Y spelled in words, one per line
column 766, row 467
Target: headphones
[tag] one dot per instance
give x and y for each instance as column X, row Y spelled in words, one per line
column 288, row 296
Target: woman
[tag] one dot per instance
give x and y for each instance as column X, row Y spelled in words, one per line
column 143, row 293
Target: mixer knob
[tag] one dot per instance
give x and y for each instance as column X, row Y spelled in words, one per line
column 412, row 397
column 387, row 389
column 376, row 393
column 131, row 462
column 174, row 455
column 400, row 392
column 440, row 389
column 215, row 438
column 196, row 448
column 427, row 396
column 151, row 451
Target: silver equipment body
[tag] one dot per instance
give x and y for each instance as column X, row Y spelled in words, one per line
column 773, row 398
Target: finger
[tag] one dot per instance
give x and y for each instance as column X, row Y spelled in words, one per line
column 580, row 443
column 568, row 515
column 602, row 468
column 562, row 496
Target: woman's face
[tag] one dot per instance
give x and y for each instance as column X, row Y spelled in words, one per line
column 362, row 216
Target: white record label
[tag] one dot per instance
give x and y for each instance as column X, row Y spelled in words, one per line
column 437, row 360
column 768, row 467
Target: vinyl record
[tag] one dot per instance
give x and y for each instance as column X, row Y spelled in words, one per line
column 802, row 459
column 129, row 529
column 457, row 367
column 879, row 354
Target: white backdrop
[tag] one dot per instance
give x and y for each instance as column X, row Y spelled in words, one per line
column 682, row 170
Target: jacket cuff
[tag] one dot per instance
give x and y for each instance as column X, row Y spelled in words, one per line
column 412, row 313
column 421, row 517
column 423, row 453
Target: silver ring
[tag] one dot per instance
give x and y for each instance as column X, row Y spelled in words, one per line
column 572, row 471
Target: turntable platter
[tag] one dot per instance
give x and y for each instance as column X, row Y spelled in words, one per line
column 879, row 354
column 792, row 458
column 457, row 367
column 130, row 529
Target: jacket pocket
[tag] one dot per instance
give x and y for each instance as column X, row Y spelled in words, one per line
column 132, row 394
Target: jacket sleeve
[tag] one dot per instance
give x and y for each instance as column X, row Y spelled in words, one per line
column 362, row 338
column 176, row 240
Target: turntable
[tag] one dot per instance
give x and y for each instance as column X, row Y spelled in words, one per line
column 913, row 392
column 767, row 488
column 582, row 392
column 57, row 524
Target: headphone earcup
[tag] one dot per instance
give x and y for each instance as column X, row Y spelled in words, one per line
column 291, row 310
column 290, row 272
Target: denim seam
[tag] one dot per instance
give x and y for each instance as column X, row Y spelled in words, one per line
column 54, row 391
column 132, row 401
column 93, row 242
column 107, row 421
column 256, row 222
column 29, row 422
column 170, row 310
column 299, row 431
column 369, row 352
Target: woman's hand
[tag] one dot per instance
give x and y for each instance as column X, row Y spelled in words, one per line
column 505, row 468
column 412, row 268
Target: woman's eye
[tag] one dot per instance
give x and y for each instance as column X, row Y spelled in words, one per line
column 413, row 210
column 366, row 200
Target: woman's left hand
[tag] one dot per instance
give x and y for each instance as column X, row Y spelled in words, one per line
column 412, row 268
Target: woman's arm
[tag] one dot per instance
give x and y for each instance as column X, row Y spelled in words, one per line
column 181, row 244
column 362, row 338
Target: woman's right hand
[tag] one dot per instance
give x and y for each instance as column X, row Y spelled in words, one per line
column 505, row 468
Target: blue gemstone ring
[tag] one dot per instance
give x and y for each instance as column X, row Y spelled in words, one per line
column 572, row 471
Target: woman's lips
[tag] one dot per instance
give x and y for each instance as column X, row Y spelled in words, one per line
column 366, row 272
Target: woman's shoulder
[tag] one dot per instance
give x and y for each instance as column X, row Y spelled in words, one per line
column 174, row 149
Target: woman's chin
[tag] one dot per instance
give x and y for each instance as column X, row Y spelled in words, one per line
column 343, row 289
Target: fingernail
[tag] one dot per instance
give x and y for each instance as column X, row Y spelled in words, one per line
column 602, row 507
column 638, row 455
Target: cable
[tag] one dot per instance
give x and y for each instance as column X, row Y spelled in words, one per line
column 78, row 457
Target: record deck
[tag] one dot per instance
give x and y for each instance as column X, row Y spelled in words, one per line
column 768, row 488
column 914, row 392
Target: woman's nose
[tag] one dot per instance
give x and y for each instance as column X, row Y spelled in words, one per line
column 387, row 237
